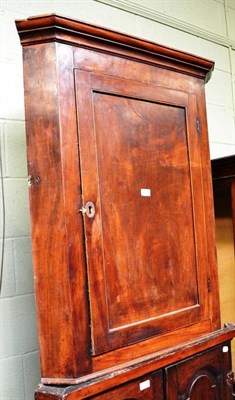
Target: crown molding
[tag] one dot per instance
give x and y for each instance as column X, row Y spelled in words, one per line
column 147, row 12
column 57, row 28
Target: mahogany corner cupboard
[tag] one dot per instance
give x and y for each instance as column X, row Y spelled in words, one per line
column 122, row 217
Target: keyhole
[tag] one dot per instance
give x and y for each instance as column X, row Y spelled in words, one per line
column 90, row 209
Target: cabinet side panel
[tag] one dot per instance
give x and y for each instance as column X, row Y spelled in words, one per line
column 72, row 204
column 47, row 212
column 209, row 211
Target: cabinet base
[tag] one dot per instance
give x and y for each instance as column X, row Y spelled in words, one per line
column 142, row 369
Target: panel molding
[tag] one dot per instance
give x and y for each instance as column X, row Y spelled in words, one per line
column 148, row 13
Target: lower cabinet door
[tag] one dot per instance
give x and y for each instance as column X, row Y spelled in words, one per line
column 148, row 387
column 202, row 377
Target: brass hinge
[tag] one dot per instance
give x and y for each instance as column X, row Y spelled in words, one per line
column 209, row 284
column 230, row 378
column 198, row 125
column 230, row 381
column 33, row 180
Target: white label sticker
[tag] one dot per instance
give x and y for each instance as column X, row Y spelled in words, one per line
column 145, row 192
column 225, row 349
column 145, row 385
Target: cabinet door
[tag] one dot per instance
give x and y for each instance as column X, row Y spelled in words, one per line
column 141, row 168
column 145, row 388
column 202, row 377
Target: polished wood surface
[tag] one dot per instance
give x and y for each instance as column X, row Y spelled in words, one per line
column 117, row 125
column 141, row 250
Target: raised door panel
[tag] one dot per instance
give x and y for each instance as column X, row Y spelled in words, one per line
column 203, row 387
column 141, row 168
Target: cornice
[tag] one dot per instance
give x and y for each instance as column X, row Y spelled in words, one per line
column 147, row 12
column 56, row 28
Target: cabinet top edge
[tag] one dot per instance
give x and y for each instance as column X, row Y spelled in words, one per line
column 55, row 27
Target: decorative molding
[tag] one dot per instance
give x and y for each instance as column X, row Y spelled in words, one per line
column 146, row 12
column 56, row 28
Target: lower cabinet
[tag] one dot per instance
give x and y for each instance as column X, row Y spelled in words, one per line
column 205, row 376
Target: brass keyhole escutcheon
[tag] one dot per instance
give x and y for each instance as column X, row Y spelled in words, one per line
column 88, row 210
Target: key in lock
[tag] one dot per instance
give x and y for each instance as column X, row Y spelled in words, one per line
column 88, row 210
